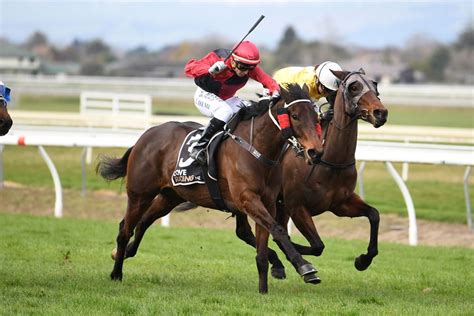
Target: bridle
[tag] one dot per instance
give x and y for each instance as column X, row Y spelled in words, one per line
column 351, row 102
column 283, row 122
column 351, row 108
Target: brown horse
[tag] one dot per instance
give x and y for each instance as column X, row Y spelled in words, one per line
column 5, row 119
column 329, row 185
column 248, row 186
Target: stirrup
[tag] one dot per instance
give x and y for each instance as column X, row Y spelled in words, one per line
column 199, row 156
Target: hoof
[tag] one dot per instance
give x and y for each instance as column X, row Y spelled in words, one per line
column 278, row 273
column 306, row 269
column 311, row 278
column 116, row 276
column 362, row 262
column 114, row 253
column 263, row 291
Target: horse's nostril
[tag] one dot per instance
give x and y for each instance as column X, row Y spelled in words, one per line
column 380, row 114
column 2, row 122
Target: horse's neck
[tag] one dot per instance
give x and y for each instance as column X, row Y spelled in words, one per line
column 341, row 141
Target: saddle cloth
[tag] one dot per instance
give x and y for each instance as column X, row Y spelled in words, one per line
column 187, row 171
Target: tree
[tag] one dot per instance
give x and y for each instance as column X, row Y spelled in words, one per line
column 466, row 39
column 437, row 64
column 36, row 39
column 289, row 48
column 289, row 37
column 92, row 68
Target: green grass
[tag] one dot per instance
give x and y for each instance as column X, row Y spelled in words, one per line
column 398, row 115
column 24, row 165
column 58, row 267
column 437, row 191
column 29, row 102
column 431, row 116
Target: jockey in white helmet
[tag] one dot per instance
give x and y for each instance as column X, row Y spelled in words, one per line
column 319, row 79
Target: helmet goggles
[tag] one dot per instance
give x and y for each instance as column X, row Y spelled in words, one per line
column 242, row 66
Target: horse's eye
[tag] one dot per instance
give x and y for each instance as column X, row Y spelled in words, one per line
column 355, row 87
column 294, row 116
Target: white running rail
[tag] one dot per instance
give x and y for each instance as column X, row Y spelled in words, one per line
column 385, row 152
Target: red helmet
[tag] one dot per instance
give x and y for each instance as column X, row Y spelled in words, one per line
column 247, row 53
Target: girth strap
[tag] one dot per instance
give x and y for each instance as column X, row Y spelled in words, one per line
column 214, row 190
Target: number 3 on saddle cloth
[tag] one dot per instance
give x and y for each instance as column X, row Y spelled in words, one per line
column 188, row 171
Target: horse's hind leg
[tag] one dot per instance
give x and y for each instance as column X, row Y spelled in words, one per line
column 244, row 232
column 160, row 207
column 137, row 204
column 304, row 222
column 355, row 207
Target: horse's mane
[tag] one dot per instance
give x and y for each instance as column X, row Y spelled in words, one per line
column 289, row 92
column 293, row 91
column 256, row 109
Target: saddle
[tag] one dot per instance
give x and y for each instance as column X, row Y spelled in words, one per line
column 188, row 171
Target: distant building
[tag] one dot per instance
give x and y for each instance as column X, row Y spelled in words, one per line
column 18, row 61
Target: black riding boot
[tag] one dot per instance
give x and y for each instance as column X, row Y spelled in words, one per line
column 199, row 150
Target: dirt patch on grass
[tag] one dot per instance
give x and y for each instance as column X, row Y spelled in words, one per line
column 110, row 205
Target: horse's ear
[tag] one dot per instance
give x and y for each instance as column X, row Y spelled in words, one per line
column 362, row 71
column 305, row 88
column 340, row 74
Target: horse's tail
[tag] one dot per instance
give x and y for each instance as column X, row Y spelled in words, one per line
column 113, row 168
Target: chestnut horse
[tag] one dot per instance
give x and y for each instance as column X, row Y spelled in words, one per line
column 5, row 119
column 330, row 186
column 248, row 186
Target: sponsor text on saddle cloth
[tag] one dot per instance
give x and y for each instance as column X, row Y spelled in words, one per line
column 188, row 172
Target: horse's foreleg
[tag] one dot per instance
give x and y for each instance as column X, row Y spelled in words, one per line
column 160, row 207
column 135, row 209
column 253, row 206
column 355, row 207
column 244, row 232
column 262, row 258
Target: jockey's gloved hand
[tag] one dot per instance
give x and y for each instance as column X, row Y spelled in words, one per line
column 218, row 67
column 275, row 95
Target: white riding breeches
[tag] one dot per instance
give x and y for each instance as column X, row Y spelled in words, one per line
column 211, row 105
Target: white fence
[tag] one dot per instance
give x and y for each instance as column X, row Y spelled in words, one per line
column 116, row 108
column 388, row 153
column 417, row 94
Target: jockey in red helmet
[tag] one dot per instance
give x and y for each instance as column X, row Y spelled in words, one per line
column 218, row 80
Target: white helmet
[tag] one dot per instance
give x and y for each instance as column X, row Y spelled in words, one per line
column 326, row 77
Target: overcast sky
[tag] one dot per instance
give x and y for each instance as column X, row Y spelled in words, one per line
column 128, row 24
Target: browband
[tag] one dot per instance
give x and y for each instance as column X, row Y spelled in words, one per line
column 296, row 101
